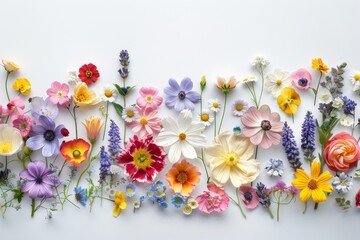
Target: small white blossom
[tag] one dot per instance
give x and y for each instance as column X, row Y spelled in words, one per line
column 325, row 96
column 260, row 63
column 338, row 103
column 346, row 121
column 73, row 77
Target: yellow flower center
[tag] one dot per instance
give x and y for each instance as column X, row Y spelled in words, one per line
column 143, row 121
column 204, row 117
column 142, row 158
column 129, row 190
column 215, row 104
column 5, row 147
column 81, row 97
column 76, row 153
column 182, row 177
column 60, row 93
column 117, row 201
column 278, row 82
column 130, row 113
column 357, row 77
column 108, row 93
column 148, row 98
column 182, row 136
column 231, row 159
column 312, row 184
column 88, row 74
column 239, row 107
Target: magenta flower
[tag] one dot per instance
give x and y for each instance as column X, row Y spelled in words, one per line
column 15, row 108
column 262, row 126
column 39, row 180
column 149, row 98
column 357, row 199
column 148, row 122
column 3, row 113
column 24, row 124
column 58, row 94
column 214, row 200
column 301, row 79
column 249, row 197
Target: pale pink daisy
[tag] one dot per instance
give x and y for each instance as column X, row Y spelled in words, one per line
column 15, row 108
column 262, row 126
column 23, row 123
column 149, row 98
column 58, row 93
column 147, row 123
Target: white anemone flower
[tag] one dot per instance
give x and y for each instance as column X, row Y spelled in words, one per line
column 108, row 94
column 183, row 137
column 10, row 140
column 230, row 158
column 276, row 81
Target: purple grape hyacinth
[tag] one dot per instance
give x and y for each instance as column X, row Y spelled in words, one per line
column 181, row 97
column 39, row 180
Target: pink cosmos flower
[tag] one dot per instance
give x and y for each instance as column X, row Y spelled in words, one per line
column 15, row 108
column 214, row 200
column 58, row 94
column 148, row 122
column 249, row 197
column 262, row 126
column 301, row 79
column 23, row 123
column 149, row 98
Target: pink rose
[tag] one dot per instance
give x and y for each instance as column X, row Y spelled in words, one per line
column 342, row 152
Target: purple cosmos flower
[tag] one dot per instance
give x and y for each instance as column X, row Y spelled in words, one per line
column 46, row 136
column 181, row 97
column 38, row 180
column 39, row 107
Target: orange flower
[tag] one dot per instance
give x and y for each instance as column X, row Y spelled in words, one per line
column 93, row 126
column 75, row 151
column 182, row 177
column 318, row 64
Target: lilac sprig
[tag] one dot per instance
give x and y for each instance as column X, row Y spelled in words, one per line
column 114, row 140
column 291, row 149
column 105, row 163
column 349, row 105
column 308, row 136
column 263, row 193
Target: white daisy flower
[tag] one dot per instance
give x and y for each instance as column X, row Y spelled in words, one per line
column 249, row 78
column 214, row 105
column 206, row 118
column 276, row 81
column 129, row 114
column 239, row 107
column 346, row 121
column 355, row 77
column 108, row 94
column 183, row 137
column 325, row 96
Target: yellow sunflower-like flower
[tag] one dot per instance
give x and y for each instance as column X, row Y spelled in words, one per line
column 83, row 96
column 318, row 64
column 22, row 85
column 314, row 185
column 289, row 100
column 120, row 203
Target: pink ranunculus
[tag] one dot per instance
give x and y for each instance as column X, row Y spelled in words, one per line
column 301, row 79
column 249, row 197
column 149, row 98
column 342, row 152
column 213, row 200
column 148, row 122
column 15, row 108
column 357, row 199
column 23, row 123
column 58, row 94
column 262, row 126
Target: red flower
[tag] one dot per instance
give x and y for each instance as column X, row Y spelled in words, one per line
column 88, row 73
column 357, row 199
column 143, row 159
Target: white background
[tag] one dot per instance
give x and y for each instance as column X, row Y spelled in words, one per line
column 177, row 39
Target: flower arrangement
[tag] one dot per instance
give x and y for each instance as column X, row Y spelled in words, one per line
column 170, row 161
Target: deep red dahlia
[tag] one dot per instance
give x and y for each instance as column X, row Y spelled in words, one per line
column 143, row 159
column 88, row 73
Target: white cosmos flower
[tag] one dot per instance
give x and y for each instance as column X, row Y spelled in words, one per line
column 183, row 137
column 325, row 96
column 10, row 140
column 206, row 118
column 108, row 93
column 276, row 81
column 214, row 105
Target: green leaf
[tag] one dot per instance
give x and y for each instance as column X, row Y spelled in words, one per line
column 357, row 173
column 118, row 108
column 18, row 194
column 118, row 88
column 314, row 90
column 130, row 89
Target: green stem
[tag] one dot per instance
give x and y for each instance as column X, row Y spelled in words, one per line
column 270, row 213
column 75, row 121
column 6, row 163
column 278, row 210
column 32, row 208
column 223, row 114
column 256, row 151
column 214, row 124
column 87, row 167
column 62, row 167
column 238, row 199
column 262, row 86
column 124, row 139
column 317, row 88
column 253, row 94
column 6, row 83
column 305, row 208
column 106, row 118
column 203, row 161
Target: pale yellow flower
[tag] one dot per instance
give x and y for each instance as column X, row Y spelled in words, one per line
column 83, row 96
column 10, row 66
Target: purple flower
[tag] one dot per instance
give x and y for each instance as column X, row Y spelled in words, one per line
column 291, row 149
column 45, row 136
column 39, row 107
column 181, row 97
column 38, row 180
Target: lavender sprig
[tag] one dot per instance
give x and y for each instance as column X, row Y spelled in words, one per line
column 114, row 140
column 308, row 136
column 291, row 149
column 105, row 163
column 264, row 200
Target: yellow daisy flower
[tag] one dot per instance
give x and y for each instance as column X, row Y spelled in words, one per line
column 313, row 186
column 318, row 64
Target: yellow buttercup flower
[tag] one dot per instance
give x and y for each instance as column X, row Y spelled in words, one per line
column 93, row 126
column 288, row 100
column 314, row 185
column 22, row 85
column 120, row 203
column 83, row 96
column 318, row 64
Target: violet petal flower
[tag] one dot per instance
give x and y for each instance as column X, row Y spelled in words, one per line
column 181, row 97
column 41, row 107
